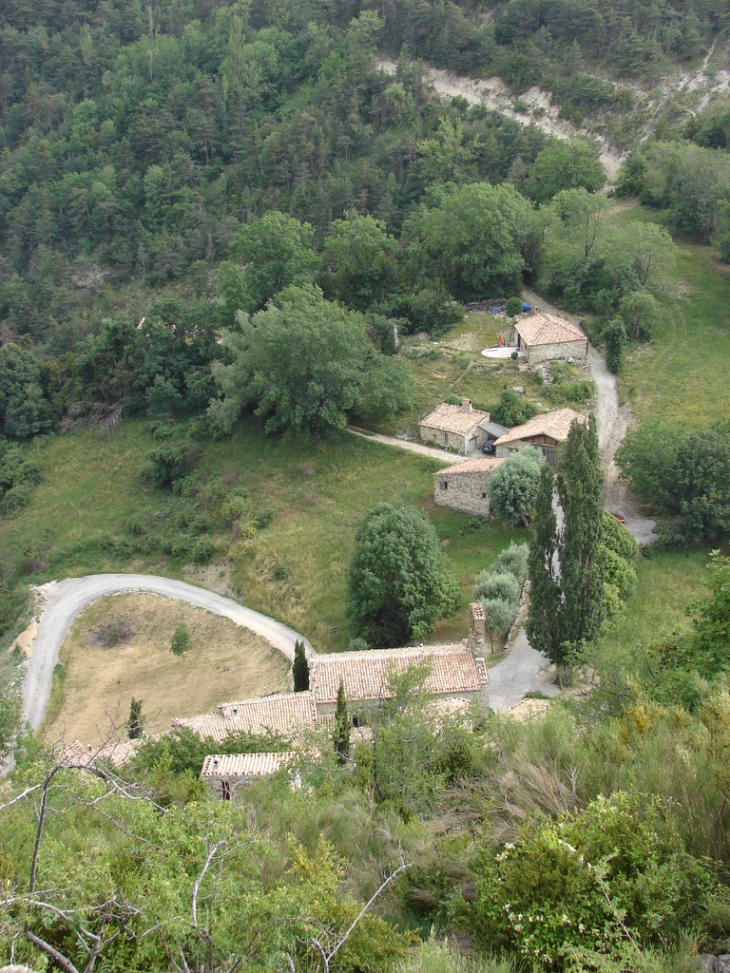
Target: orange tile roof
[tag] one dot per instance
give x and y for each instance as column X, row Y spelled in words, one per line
column 279, row 713
column 365, row 675
column 244, row 764
column 452, row 418
column 547, row 329
column 486, row 465
column 116, row 752
column 556, row 425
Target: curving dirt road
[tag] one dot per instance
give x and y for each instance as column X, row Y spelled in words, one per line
column 65, row 599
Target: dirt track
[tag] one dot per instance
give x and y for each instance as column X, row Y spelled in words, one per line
column 65, row 599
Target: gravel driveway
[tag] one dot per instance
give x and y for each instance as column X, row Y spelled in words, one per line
column 65, row 599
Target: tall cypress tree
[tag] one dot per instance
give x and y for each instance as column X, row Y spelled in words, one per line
column 566, row 583
column 342, row 726
column 300, row 668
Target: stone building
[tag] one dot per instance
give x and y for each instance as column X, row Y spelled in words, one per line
column 546, row 432
column 464, row 486
column 279, row 713
column 455, row 426
column 455, row 671
column 225, row 773
column 545, row 337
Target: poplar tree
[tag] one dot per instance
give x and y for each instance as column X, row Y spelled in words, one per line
column 566, row 584
column 300, row 668
column 342, row 727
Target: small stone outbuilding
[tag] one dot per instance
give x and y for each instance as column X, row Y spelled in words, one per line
column 455, row 426
column 224, row 773
column 545, row 337
column 465, row 486
column 546, row 432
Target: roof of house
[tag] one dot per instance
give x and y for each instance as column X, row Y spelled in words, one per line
column 453, row 418
column 486, row 464
column 279, row 713
column 244, row 764
column 547, row 329
column 365, row 675
column 493, row 428
column 556, row 425
column 114, row 752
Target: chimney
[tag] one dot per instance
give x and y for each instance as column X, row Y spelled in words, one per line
column 466, row 405
column 476, row 628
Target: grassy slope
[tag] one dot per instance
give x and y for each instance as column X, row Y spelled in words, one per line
column 682, row 376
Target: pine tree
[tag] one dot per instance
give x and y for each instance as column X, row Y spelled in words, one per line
column 566, row 584
column 300, row 668
column 135, row 723
column 342, row 727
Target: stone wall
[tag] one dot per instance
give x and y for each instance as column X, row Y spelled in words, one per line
column 566, row 349
column 451, row 440
column 466, row 492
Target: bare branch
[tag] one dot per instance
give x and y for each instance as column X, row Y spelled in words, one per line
column 196, row 886
column 20, row 797
column 51, row 951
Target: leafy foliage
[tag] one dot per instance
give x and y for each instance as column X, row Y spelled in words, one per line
column 300, row 668
column 181, row 641
column 398, row 582
column 513, row 486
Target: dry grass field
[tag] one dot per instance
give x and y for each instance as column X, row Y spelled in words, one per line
column 224, row 662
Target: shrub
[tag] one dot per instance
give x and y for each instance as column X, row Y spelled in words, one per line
column 181, row 641
column 15, row 499
column 514, row 306
column 489, row 584
column 263, row 519
column 234, row 508
column 513, row 560
column 203, row 550
column 357, row 645
column 512, row 409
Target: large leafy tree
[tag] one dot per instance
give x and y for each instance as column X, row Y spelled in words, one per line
column 514, row 485
column 472, row 238
column 358, row 260
column 22, row 402
column 398, row 583
column 308, row 365
column 267, row 255
column 565, row 164
column 564, row 564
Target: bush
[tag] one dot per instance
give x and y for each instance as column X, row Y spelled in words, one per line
column 514, row 306
column 15, row 499
column 513, row 560
column 203, row 550
column 489, row 584
column 181, row 641
column 512, row 409
column 513, row 487
column 234, row 508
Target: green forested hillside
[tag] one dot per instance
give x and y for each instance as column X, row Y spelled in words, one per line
column 225, row 233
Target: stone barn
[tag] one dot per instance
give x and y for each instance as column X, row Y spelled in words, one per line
column 455, row 426
column 545, row 432
column 545, row 337
column 464, row 486
column 456, row 672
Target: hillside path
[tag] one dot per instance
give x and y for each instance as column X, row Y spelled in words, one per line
column 65, row 599
column 448, row 459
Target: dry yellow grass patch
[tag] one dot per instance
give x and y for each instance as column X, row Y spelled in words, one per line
column 225, row 662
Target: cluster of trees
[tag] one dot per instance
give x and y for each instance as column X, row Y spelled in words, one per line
column 683, row 475
column 499, row 590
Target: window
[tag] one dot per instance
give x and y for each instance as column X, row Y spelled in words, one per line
column 356, row 721
column 484, row 496
column 226, row 788
column 446, row 437
column 443, row 484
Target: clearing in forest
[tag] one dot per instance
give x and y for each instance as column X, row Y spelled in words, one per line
column 119, row 647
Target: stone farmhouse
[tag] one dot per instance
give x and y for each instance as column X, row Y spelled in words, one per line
column 457, row 426
column 457, row 671
column 545, row 337
column 546, row 432
column 224, row 773
column 465, row 486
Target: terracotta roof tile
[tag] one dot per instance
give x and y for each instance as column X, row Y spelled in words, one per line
column 116, row 752
column 279, row 713
column 556, row 425
column 452, row 418
column 547, row 329
column 244, row 764
column 486, row 465
column 365, row 675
